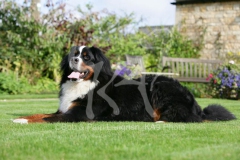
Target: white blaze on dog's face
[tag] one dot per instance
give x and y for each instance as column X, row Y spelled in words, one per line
column 76, row 60
column 81, row 63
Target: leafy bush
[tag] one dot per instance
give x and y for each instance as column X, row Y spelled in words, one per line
column 31, row 48
column 34, row 48
column 177, row 45
column 171, row 44
column 10, row 83
column 199, row 90
column 45, row 85
column 225, row 82
column 108, row 32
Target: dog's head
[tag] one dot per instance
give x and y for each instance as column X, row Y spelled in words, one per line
column 82, row 62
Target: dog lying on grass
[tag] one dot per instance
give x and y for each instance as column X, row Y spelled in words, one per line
column 90, row 91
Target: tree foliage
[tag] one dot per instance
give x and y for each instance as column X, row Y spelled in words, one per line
column 28, row 47
column 106, row 31
column 33, row 49
column 172, row 44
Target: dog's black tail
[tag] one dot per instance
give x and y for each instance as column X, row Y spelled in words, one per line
column 216, row 112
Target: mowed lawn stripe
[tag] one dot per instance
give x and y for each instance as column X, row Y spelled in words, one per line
column 115, row 140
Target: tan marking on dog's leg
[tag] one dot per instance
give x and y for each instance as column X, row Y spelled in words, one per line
column 156, row 115
column 37, row 118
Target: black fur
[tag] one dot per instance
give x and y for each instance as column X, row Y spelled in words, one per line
column 169, row 100
column 217, row 113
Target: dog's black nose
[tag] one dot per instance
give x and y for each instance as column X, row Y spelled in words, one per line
column 76, row 60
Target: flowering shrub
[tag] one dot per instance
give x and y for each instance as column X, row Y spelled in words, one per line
column 225, row 82
column 127, row 71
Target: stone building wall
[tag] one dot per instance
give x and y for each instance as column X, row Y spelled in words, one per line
column 221, row 21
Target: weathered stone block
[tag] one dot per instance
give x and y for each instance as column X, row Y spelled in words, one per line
column 227, row 6
column 211, row 8
column 227, row 21
column 222, row 21
column 203, row 9
column 235, row 32
column 214, row 33
column 197, row 9
column 238, row 38
column 234, row 27
column 208, row 46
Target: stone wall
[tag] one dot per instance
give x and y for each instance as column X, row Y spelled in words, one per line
column 221, row 21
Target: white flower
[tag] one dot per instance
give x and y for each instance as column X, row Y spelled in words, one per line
column 231, row 62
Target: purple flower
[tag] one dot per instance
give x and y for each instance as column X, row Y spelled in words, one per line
column 227, row 80
column 122, row 71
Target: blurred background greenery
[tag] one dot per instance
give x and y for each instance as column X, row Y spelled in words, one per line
column 31, row 47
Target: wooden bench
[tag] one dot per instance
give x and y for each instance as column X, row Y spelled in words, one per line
column 191, row 69
column 138, row 60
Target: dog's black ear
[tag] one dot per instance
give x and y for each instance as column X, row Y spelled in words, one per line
column 64, row 63
column 66, row 59
column 100, row 57
column 64, row 68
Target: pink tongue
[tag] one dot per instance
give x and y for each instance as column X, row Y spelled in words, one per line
column 75, row 75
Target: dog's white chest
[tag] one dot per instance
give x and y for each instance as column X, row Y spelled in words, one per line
column 70, row 91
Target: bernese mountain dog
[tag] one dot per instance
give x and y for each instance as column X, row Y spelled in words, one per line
column 90, row 91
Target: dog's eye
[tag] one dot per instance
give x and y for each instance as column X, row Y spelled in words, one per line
column 86, row 57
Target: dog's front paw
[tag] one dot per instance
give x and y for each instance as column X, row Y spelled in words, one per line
column 21, row 121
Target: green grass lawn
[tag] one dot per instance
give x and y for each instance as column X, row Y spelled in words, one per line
column 113, row 140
